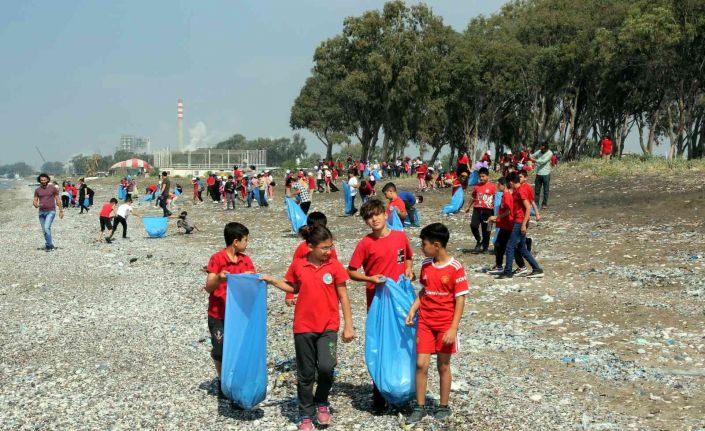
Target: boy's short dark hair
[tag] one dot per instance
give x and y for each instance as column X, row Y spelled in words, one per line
column 352, row 171
column 234, row 231
column 317, row 217
column 435, row 232
column 524, row 173
column 371, row 208
column 43, row 175
column 389, row 186
column 128, row 199
column 164, row 174
column 113, row 201
column 183, row 214
column 230, row 177
column 419, row 199
column 484, row 171
column 502, row 181
column 513, row 177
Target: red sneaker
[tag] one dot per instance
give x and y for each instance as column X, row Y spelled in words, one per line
column 305, row 424
column 323, row 415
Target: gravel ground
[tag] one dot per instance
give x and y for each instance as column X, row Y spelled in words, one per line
column 98, row 336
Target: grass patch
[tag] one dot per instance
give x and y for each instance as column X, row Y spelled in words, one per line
column 633, row 165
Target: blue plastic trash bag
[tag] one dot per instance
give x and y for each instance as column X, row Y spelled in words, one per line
column 456, row 202
column 295, row 213
column 348, row 198
column 390, row 345
column 366, row 173
column 393, row 221
column 87, row 202
column 474, row 178
column 375, row 174
column 148, row 197
column 497, row 204
column 417, row 218
column 244, row 370
column 155, row 226
column 177, row 193
column 121, row 193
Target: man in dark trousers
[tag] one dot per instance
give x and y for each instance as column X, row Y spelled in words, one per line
column 164, row 196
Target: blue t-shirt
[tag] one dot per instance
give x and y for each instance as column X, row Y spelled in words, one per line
column 408, row 198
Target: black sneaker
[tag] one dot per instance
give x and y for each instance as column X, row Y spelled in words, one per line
column 537, row 273
column 442, row 413
column 49, row 248
column 496, row 270
column 521, row 272
column 416, row 415
column 221, row 394
column 108, row 240
column 504, row 276
column 478, row 248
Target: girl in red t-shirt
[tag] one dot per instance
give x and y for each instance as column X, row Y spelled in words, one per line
column 421, row 176
column 320, row 283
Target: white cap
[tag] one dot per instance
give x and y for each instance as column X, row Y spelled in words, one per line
column 288, row 171
column 489, row 153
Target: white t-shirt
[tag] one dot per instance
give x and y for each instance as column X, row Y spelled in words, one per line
column 124, row 210
column 352, row 182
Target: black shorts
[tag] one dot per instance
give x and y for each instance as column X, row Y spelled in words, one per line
column 216, row 328
column 105, row 224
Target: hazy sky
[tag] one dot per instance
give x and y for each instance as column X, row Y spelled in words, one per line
column 75, row 75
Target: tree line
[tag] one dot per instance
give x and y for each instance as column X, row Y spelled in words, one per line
column 561, row 72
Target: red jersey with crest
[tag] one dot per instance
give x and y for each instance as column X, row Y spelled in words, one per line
column 483, row 195
column 441, row 285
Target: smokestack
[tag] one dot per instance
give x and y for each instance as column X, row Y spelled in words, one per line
column 180, row 118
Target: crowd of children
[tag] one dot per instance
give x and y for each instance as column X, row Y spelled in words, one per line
column 315, row 284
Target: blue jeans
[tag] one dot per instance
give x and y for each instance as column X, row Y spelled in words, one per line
column 46, row 218
column 517, row 240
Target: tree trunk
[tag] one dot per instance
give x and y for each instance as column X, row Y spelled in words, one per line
column 640, row 125
column 385, row 147
column 452, row 156
column 436, row 149
column 653, row 125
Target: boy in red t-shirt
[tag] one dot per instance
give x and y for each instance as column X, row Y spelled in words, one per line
column 504, row 222
column 482, row 209
column 319, row 281
column 315, row 218
column 440, row 305
column 106, row 213
column 230, row 260
column 384, row 253
column 390, row 192
column 521, row 213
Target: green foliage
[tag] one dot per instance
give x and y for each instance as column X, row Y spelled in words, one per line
column 20, row 168
column 559, row 71
column 52, row 168
column 279, row 150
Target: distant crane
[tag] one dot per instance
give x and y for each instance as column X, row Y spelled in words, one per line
column 40, row 154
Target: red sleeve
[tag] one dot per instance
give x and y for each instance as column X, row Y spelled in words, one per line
column 524, row 194
column 214, row 264
column 359, row 256
column 461, row 282
column 301, row 251
column 250, row 266
column 291, row 275
column 421, row 275
column 341, row 275
column 409, row 253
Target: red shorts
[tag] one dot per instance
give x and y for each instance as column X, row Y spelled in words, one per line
column 430, row 341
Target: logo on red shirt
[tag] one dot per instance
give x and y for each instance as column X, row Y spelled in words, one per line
column 327, row 278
